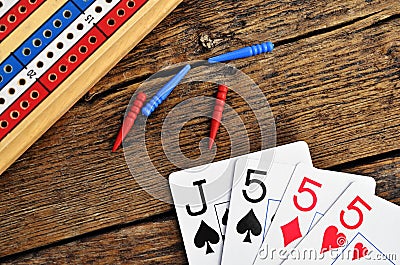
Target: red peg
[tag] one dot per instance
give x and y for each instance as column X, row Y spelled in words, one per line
column 217, row 115
column 130, row 119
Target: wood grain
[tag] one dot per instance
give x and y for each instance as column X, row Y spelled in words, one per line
column 385, row 171
column 159, row 242
column 333, row 81
column 231, row 24
column 148, row 243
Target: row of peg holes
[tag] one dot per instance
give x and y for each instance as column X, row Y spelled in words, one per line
column 63, row 68
column 24, row 105
column 120, row 13
column 39, row 64
column 47, row 33
column 60, row 45
column 37, row 42
column 12, row 18
column 72, row 59
column 11, row 90
column 57, row 23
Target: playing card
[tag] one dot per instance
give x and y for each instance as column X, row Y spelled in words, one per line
column 360, row 228
column 255, row 196
column 201, row 196
column 308, row 196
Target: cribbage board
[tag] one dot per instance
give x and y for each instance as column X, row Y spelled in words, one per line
column 52, row 52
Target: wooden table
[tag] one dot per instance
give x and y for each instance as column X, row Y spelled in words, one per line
column 333, row 80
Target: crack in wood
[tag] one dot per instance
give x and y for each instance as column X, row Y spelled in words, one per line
column 380, row 22
column 322, row 31
column 93, row 97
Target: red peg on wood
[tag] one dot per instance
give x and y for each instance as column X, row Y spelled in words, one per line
column 130, row 119
column 217, row 115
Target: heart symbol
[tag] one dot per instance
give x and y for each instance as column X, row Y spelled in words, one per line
column 332, row 239
column 359, row 251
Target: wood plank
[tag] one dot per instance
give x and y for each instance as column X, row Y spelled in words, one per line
column 159, row 241
column 386, row 172
column 149, row 243
column 338, row 90
column 227, row 25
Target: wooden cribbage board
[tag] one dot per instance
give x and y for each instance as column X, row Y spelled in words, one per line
column 52, row 52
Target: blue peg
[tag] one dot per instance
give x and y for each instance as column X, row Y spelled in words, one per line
column 243, row 52
column 164, row 92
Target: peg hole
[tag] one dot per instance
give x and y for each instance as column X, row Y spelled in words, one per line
column 52, row 77
column 24, row 104
column 57, row 23
column 130, row 4
column 34, row 94
column 2, row 101
column 22, row 9
column 12, row 18
column 50, row 55
column 32, row 2
column 79, row 26
column 3, row 124
column 92, row 39
column 26, row 51
column 70, row 36
column 72, row 58
column 98, row 9
column 22, row 82
column 121, row 12
column 67, row 14
column 39, row 64
column 1, row 4
column 63, row 68
column 11, row 91
column 108, row 1
column 60, row 45
column 47, row 33
column 3, row 28
column 37, row 42
column 8, row 68
column 83, row 49
column 111, row 22
column 14, row 115
column 1, row 78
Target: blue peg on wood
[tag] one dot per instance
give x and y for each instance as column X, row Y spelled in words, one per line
column 243, row 52
column 164, row 92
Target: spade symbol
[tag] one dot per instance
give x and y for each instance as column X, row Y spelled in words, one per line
column 249, row 224
column 225, row 217
column 206, row 235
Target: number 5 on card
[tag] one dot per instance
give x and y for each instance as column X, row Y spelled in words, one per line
column 302, row 189
column 257, row 190
column 360, row 228
column 308, row 196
